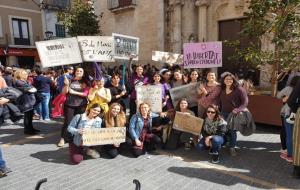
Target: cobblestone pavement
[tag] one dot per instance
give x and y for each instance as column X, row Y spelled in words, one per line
column 257, row 166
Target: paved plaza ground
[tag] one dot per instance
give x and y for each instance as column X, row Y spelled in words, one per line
column 257, row 166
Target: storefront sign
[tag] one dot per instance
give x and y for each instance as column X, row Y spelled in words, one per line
column 187, row 123
column 202, row 55
column 124, row 46
column 96, row 48
column 59, row 52
column 101, row 136
column 167, row 57
column 150, row 94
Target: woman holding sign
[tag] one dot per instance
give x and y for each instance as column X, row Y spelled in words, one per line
column 140, row 129
column 213, row 132
column 99, row 94
column 77, row 127
column 166, row 102
column 76, row 92
column 115, row 117
column 233, row 99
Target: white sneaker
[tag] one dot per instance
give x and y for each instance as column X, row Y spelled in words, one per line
column 93, row 153
column 291, row 119
column 61, row 143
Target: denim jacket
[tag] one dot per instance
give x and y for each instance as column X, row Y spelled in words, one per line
column 137, row 123
column 74, row 126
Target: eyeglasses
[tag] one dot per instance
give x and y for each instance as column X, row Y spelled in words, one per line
column 212, row 112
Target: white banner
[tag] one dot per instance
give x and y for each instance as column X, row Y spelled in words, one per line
column 101, row 136
column 167, row 57
column 96, row 48
column 150, row 94
column 124, row 46
column 59, row 52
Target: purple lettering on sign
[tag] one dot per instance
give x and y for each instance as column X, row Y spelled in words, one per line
column 202, row 55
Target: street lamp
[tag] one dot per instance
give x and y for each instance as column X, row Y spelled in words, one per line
column 49, row 35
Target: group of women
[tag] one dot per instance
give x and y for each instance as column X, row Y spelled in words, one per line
column 100, row 105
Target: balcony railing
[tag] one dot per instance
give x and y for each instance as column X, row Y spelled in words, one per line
column 115, row 5
column 56, row 4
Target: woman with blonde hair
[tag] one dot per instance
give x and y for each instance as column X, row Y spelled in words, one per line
column 140, row 129
column 27, row 101
column 115, row 117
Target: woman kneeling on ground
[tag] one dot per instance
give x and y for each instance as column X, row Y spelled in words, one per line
column 77, row 127
column 115, row 117
column 140, row 129
column 213, row 133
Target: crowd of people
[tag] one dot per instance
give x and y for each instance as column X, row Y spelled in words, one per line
column 93, row 100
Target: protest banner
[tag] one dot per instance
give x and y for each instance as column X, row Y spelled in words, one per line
column 101, row 136
column 59, row 52
column 167, row 57
column 188, row 91
column 187, row 123
column 202, row 55
column 124, row 46
column 151, row 94
column 96, row 48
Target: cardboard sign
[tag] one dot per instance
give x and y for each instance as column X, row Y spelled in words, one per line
column 187, row 123
column 188, row 91
column 124, row 46
column 59, row 52
column 96, row 48
column 167, row 57
column 101, row 136
column 151, row 94
column 202, row 55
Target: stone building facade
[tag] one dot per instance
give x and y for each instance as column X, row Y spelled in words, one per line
column 165, row 25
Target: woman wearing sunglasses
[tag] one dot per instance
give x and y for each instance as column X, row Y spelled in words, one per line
column 77, row 128
column 213, row 133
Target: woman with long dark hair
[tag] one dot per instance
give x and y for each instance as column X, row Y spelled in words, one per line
column 76, row 92
column 213, row 132
column 233, row 99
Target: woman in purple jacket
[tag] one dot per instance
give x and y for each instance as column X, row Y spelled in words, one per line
column 233, row 99
column 137, row 79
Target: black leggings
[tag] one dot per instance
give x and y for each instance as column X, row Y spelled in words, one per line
column 69, row 113
column 111, row 150
column 28, row 120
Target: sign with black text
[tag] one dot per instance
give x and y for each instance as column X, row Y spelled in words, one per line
column 187, row 123
column 150, row 94
column 64, row 51
column 96, row 48
column 101, row 136
column 124, row 46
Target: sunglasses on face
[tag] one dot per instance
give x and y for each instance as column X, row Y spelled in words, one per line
column 211, row 112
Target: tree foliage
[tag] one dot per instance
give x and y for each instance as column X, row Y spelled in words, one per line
column 81, row 19
column 278, row 21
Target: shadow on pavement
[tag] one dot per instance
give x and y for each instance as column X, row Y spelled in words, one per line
column 259, row 160
column 59, row 156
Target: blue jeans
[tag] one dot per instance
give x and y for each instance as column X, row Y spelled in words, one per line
column 289, row 137
column 2, row 162
column 216, row 143
column 43, row 106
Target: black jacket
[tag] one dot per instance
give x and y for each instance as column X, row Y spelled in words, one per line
column 294, row 98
